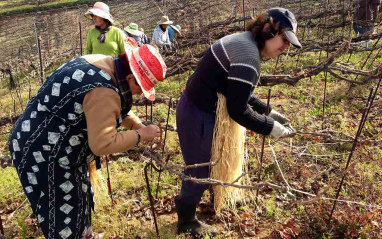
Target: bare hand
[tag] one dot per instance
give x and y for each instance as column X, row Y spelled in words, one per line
column 348, row 17
column 148, row 133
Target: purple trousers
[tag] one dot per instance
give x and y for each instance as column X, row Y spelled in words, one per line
column 195, row 130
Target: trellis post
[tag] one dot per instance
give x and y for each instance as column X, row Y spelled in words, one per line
column 38, row 40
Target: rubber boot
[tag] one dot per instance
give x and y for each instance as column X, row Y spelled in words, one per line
column 188, row 223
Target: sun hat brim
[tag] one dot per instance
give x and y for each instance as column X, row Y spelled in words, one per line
column 165, row 23
column 176, row 29
column 148, row 92
column 132, row 31
column 99, row 13
column 292, row 38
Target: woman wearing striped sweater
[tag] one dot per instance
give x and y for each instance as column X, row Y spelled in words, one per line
column 231, row 67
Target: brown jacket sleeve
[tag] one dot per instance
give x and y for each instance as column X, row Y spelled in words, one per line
column 129, row 121
column 102, row 106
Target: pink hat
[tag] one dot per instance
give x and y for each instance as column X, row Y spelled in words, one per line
column 100, row 9
column 148, row 68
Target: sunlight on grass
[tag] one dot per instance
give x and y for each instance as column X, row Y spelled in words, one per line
column 45, row 6
column 3, row 3
column 16, row 9
column 10, row 189
column 310, row 162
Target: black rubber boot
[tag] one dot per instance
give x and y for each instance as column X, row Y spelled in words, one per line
column 188, row 223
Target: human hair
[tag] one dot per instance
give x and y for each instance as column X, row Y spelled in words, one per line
column 108, row 22
column 256, row 27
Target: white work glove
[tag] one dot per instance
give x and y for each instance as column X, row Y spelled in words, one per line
column 274, row 114
column 281, row 131
column 290, row 127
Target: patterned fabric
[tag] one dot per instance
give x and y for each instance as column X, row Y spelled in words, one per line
column 49, row 147
column 123, row 86
column 145, row 39
column 102, row 36
column 141, row 39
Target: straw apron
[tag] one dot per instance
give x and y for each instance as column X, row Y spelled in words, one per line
column 227, row 154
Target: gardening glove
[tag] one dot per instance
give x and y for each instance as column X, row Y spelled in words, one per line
column 278, row 117
column 289, row 126
column 281, row 131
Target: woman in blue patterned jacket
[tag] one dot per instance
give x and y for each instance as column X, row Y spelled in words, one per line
column 72, row 119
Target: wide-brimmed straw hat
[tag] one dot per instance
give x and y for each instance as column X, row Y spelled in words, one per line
column 132, row 29
column 165, row 21
column 148, row 68
column 100, row 9
column 177, row 28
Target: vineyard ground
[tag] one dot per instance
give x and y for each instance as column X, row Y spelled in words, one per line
column 310, row 163
column 23, row 6
column 130, row 217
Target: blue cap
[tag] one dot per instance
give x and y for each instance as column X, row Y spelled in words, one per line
column 288, row 22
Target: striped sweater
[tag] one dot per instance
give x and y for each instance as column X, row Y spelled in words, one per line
column 231, row 66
